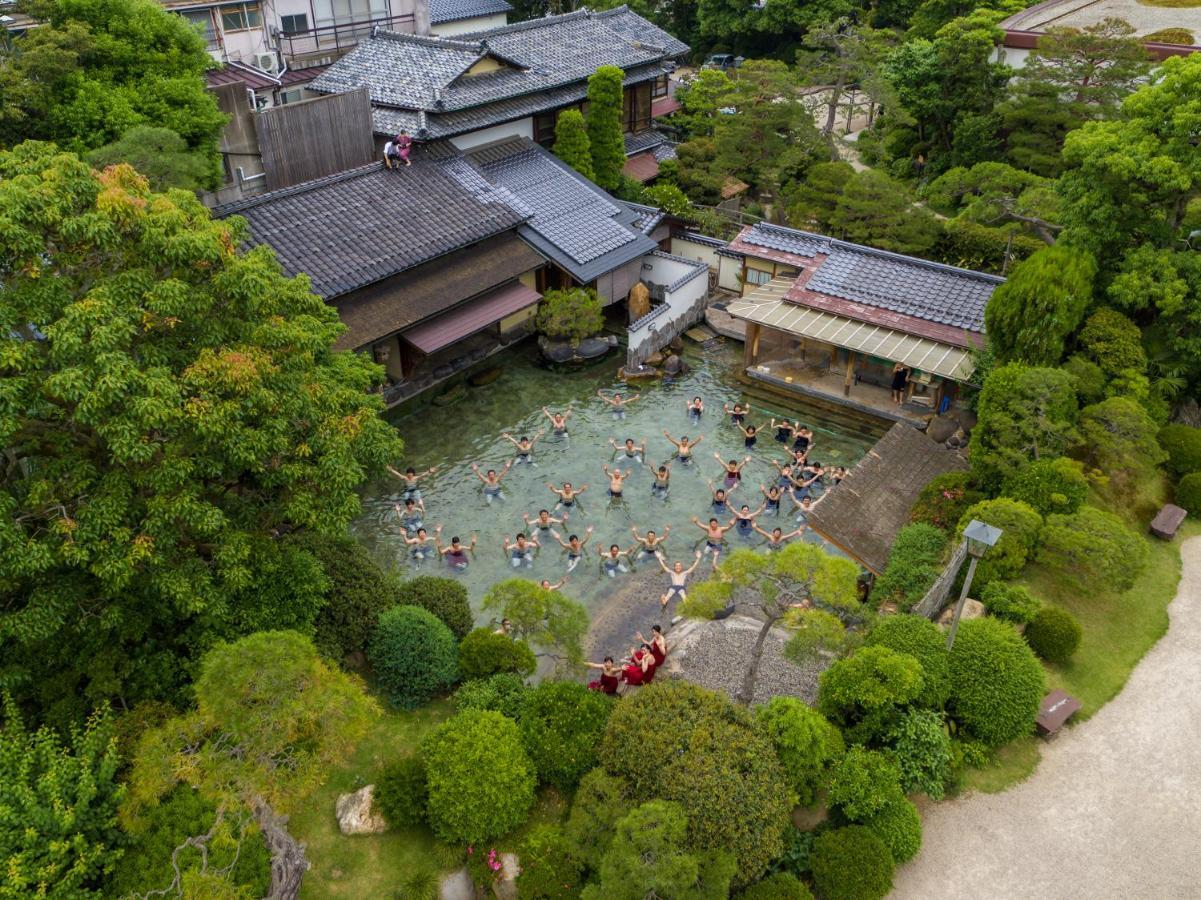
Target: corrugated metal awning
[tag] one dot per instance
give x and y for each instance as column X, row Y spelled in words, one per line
column 471, row 317
column 766, row 306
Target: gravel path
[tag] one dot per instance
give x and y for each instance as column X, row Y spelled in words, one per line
column 1114, row 808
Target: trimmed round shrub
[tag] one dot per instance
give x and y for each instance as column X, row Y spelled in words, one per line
column 561, row 725
column 359, row 591
column 484, row 652
column 1113, row 341
column 480, row 780
column 413, row 655
column 921, row 748
column 899, row 826
column 862, row 693
column 1093, row 550
column 779, row 886
column 1010, row 602
column 1054, row 634
column 1188, row 493
column 863, row 783
column 1020, row 526
column 1182, row 443
column 807, row 745
column 851, row 863
column 401, row 794
column 913, row 563
column 678, row 741
column 997, row 682
column 1049, row 485
column 504, row 692
column 944, row 499
column 921, row 639
column 550, row 866
column 446, row 598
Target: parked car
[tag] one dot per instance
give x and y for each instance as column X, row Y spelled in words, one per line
column 725, row 62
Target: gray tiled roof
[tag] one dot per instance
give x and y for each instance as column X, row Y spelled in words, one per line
column 357, row 227
column 643, row 141
column 648, row 216
column 410, row 74
column 457, row 10
column 574, row 223
column 903, row 284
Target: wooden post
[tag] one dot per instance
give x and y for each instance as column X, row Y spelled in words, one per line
column 751, row 346
column 846, row 385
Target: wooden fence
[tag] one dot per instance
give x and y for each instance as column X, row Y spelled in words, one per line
column 313, row 138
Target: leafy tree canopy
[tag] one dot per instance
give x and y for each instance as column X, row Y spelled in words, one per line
column 547, row 619
column 605, row 139
column 571, row 142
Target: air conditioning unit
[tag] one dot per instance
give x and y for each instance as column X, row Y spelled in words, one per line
column 267, row 62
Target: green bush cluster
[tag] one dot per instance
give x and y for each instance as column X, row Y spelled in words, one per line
column 863, row 783
column 1094, row 550
column 777, row 886
column 550, row 866
column 944, row 499
column 914, row 562
column 1088, row 378
column 413, row 655
column 600, row 801
column 1049, row 486
column 484, row 652
column 401, row 793
column 572, row 314
column 863, row 693
column 899, row 826
column 1188, row 493
column 1011, row 602
column 1113, row 342
column 921, row 639
column 997, row 683
column 1054, row 634
column 480, row 780
column 852, row 863
column 444, row 597
column 561, row 725
column 806, row 744
column 504, row 692
column 921, row 748
column 1182, row 443
column 1020, row 526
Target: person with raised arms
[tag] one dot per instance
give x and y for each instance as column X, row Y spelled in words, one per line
column 679, row 577
column 521, row 551
column 683, row 447
column 525, row 447
column 492, row 480
column 650, row 543
column 574, row 546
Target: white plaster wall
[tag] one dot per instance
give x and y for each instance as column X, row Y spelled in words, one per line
column 1014, row 57
column 729, row 273
column 685, row 307
column 520, row 128
column 479, row 23
column 683, row 247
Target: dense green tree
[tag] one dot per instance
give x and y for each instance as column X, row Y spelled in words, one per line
column 701, row 98
column 879, row 211
column 1053, row 485
column 852, row 863
column 605, row 140
column 446, row 598
column 1110, row 339
column 863, row 783
column 931, row 15
column 484, row 653
column 600, row 801
column 572, row 144
column 812, row 202
column 561, row 725
column 994, row 193
column 58, row 808
column 1092, row 550
column 844, row 59
column 171, row 405
column 413, row 655
column 914, row 562
column 570, row 313
column 270, row 718
column 96, row 71
column 550, row 865
column 806, row 743
column 546, row 619
column 997, row 683
column 920, row 638
column 789, row 20
column 864, row 693
column 1019, row 524
column 1032, row 315
column 1054, row 634
column 920, row 746
column 1118, row 437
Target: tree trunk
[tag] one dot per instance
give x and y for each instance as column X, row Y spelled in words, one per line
column 747, row 693
column 288, row 862
column 832, row 105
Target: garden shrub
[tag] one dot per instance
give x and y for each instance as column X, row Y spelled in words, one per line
column 1054, row 634
column 600, row 801
column 1089, row 379
column 550, row 867
column 549, row 620
column 359, row 591
column 1117, row 436
column 413, row 655
column 1094, row 550
column 504, row 692
column 797, row 858
column 997, row 682
column 484, row 652
column 572, row 314
column 914, row 562
column 899, row 826
column 778, row 886
column 921, row 748
column 863, row 693
column 1182, row 443
column 480, row 780
column 1188, row 493
column 807, row 745
column 943, row 500
column 1049, row 486
column 444, row 597
column 1020, row 525
column 679, row 741
column 863, row 783
column 1011, row 602
column 561, row 725
column 925, row 642
column 851, row 863
column 1113, row 342
column 401, row 793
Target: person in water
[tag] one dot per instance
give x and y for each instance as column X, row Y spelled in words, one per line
column 410, row 477
column 617, row 478
column 547, row 586
column 612, row 560
column 662, row 482
column 657, row 645
column 721, row 499
column 525, row 447
column 419, row 546
column 771, row 499
column 750, row 434
column 802, row 439
column 744, row 519
column 733, row 469
column 715, row 535
column 679, row 577
column 636, row 452
column 521, row 551
column 737, row 414
column 544, row 521
column 650, row 544
column 492, row 480
column 684, row 447
column 456, row 554
column 696, row 409
column 776, row 538
column 805, row 506
column 574, row 546
column 412, row 516
column 839, row 473
column 618, row 403
column 567, row 494
column 558, row 421
column 610, row 676
column 784, row 429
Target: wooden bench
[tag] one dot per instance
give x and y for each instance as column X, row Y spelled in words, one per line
column 1057, row 707
column 1167, row 521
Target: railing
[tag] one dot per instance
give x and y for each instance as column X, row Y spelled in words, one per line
column 338, row 39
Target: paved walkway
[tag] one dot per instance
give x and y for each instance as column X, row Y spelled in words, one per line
column 1114, row 808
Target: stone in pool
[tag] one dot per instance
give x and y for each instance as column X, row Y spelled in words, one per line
column 674, row 365
column 557, row 351
column 479, row 379
column 591, row 348
column 455, row 393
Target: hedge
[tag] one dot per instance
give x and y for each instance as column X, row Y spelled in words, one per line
column 484, row 652
column 1049, row 486
column 920, row 746
column 997, row 682
column 863, row 783
column 504, row 692
column 1011, row 602
column 914, row 562
column 852, row 863
column 413, row 655
column 899, row 826
column 780, row 886
column 1182, row 443
column 401, row 794
column 561, row 725
column 1020, row 525
column 864, row 692
column 925, row 642
column 1188, row 493
column 806, row 744
column 1054, row 634
column 446, row 598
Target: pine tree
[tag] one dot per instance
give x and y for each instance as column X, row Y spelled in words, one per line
column 604, row 126
column 572, row 144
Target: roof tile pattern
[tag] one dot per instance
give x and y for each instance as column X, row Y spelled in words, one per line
column 456, row 10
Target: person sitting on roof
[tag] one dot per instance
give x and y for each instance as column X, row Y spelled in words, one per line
column 398, row 149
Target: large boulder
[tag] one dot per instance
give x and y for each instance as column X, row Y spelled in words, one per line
column 972, row 609
column 557, row 351
column 591, row 348
column 655, row 359
column 356, row 815
column 941, row 428
column 674, row 365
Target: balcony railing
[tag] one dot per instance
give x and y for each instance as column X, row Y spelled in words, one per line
column 338, row 39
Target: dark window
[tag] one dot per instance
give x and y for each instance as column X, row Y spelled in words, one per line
column 294, row 24
column 660, row 88
column 240, row 16
column 544, row 127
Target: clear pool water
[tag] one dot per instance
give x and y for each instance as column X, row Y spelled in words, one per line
column 469, row 431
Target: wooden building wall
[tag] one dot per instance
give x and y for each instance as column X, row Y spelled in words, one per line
column 313, row 138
